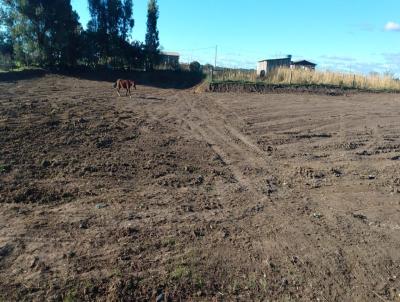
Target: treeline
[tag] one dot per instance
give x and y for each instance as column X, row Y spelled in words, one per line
column 47, row 33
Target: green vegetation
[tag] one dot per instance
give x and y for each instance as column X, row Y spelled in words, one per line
column 180, row 272
column 168, row 242
column 195, row 66
column 298, row 77
column 48, row 34
column 71, row 296
column 152, row 43
column 42, row 33
column 4, row 168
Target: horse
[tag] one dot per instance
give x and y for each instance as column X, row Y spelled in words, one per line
column 126, row 84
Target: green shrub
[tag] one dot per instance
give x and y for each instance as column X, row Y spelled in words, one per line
column 195, row 67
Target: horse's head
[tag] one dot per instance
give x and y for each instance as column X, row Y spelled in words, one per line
column 115, row 85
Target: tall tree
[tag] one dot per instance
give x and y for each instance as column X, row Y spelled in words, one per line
column 127, row 22
column 152, row 42
column 110, row 25
column 6, row 46
column 43, row 32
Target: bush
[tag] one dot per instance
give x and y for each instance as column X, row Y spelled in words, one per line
column 195, row 67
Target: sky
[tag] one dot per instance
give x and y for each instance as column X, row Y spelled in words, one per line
column 342, row 35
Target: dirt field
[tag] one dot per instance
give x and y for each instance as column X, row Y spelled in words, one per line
column 181, row 196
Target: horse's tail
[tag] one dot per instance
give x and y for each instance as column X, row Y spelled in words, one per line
column 133, row 84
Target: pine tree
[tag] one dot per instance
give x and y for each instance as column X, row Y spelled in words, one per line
column 152, row 43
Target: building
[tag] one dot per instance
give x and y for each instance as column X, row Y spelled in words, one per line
column 169, row 60
column 265, row 66
column 306, row 65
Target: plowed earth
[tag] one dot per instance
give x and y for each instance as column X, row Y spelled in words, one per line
column 177, row 196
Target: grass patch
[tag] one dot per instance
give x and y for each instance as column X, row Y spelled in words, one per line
column 180, row 272
column 71, row 296
column 168, row 242
column 4, row 168
column 308, row 78
column 117, row 273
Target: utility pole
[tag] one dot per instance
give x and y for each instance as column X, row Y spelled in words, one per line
column 215, row 63
column 216, row 51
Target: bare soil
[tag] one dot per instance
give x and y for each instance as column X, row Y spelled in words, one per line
column 178, row 196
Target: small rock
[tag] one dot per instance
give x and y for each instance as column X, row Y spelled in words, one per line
column 83, row 224
column 101, row 206
column 370, row 177
column 336, row 172
column 295, row 259
column 199, row 180
column 359, row 216
column 71, row 254
column 187, row 208
column 6, row 250
column 224, row 234
column 160, row 297
column 46, row 163
column 317, row 215
column 198, row 233
column 34, row 261
column 189, row 169
column 90, row 169
column 104, row 143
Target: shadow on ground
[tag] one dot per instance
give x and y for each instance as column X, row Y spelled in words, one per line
column 161, row 78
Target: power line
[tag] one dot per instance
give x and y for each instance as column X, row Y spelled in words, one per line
column 196, row 49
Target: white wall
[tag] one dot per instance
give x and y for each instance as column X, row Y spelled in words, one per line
column 261, row 66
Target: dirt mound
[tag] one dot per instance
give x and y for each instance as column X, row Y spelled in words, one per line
column 276, row 88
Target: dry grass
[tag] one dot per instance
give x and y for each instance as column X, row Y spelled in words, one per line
column 305, row 77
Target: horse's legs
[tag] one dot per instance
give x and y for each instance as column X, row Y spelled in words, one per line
column 118, row 92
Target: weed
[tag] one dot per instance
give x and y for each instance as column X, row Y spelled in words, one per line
column 180, row 272
column 198, row 281
column 70, row 296
column 5, row 168
column 117, row 272
column 166, row 242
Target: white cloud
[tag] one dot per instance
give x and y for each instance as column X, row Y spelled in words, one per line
column 337, row 58
column 392, row 26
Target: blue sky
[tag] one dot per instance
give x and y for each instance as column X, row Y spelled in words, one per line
column 345, row 35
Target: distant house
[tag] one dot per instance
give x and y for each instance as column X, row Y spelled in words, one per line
column 307, row 65
column 169, row 60
column 266, row 66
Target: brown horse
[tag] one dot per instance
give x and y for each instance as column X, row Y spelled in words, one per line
column 126, row 84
